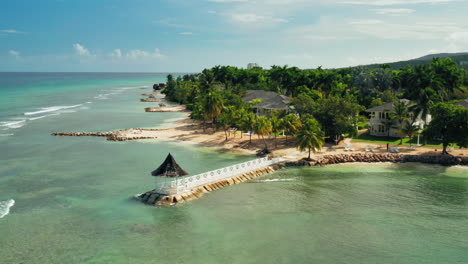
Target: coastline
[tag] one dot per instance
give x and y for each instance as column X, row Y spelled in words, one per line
column 191, row 132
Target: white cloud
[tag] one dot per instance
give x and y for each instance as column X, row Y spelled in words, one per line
column 366, row 22
column 14, row 53
column 12, row 31
column 141, row 54
column 254, row 18
column 211, row 12
column 227, row 1
column 81, row 50
column 396, row 2
column 117, row 54
column 393, row 11
column 186, row 33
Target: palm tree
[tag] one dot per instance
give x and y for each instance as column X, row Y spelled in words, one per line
column 400, row 114
column 213, row 105
column 423, row 105
column 310, row 136
column 410, row 129
column 263, row 127
column 292, row 124
column 248, row 122
column 276, row 125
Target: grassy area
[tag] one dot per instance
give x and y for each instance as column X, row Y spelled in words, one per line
column 394, row 141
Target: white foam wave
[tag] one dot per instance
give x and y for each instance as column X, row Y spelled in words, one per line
column 12, row 124
column 52, row 109
column 6, row 135
column 275, row 180
column 40, row 117
column 5, row 207
column 102, row 96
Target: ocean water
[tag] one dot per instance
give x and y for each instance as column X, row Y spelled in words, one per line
column 67, row 199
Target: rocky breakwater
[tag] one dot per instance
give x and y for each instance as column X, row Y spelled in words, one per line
column 178, row 108
column 153, row 100
column 445, row 160
column 119, row 135
column 154, row 198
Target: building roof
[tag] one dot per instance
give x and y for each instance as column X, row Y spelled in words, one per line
column 463, row 103
column 169, row 168
column 270, row 100
column 386, row 107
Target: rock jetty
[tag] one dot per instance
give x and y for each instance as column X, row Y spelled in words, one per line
column 157, row 199
column 178, row 108
column 153, row 100
column 445, row 160
column 119, row 135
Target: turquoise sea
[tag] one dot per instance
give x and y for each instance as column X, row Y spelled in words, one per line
column 67, row 199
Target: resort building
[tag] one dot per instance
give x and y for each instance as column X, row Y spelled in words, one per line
column 269, row 101
column 380, row 124
column 252, row 65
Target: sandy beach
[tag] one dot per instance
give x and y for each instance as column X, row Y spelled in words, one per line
column 190, row 131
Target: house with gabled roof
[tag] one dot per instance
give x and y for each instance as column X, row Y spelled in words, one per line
column 380, row 123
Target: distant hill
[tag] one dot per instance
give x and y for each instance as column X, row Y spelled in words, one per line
column 460, row 58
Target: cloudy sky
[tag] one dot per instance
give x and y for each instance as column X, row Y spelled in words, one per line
column 189, row 35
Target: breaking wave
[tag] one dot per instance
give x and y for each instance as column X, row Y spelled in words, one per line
column 275, row 180
column 12, row 124
column 5, row 207
column 52, row 109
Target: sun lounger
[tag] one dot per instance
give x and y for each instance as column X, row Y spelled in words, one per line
column 366, row 149
column 372, row 149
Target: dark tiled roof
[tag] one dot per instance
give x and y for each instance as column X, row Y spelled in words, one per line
column 463, row 103
column 169, row 168
column 270, row 100
column 386, row 107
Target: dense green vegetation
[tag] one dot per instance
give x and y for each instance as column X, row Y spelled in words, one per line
column 332, row 97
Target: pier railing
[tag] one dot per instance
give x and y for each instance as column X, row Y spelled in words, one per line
column 171, row 186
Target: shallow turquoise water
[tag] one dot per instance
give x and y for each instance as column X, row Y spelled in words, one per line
column 73, row 200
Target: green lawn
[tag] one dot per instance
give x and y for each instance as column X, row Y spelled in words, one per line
column 394, row 141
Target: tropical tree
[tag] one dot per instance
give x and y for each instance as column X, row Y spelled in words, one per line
column 310, row 136
column 213, row 105
column 292, row 124
column 248, row 123
column 410, row 129
column 225, row 120
column 449, row 124
column 263, row 128
column 277, row 125
column 400, row 114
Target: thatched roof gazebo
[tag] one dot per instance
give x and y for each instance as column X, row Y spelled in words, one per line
column 169, row 168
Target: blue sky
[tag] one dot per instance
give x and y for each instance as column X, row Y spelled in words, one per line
column 189, row 35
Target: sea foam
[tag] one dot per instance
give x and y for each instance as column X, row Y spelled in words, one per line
column 52, row 109
column 5, row 207
column 40, row 117
column 12, row 124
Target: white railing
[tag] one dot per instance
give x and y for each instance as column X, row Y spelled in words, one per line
column 173, row 186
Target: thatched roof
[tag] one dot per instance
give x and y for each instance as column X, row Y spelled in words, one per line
column 270, row 100
column 169, row 168
column 387, row 107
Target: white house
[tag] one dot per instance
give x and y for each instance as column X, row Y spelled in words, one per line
column 252, row 65
column 378, row 125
